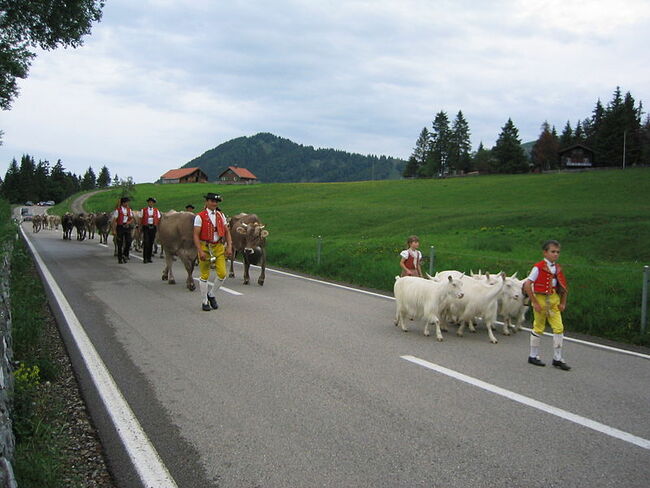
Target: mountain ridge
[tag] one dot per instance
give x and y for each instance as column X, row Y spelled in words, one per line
column 274, row 159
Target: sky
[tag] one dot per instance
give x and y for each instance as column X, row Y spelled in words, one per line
column 159, row 82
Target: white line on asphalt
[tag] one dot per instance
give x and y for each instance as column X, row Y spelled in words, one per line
column 227, row 290
column 144, row 457
column 585, row 422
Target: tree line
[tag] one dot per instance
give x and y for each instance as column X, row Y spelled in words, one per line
column 615, row 133
column 32, row 181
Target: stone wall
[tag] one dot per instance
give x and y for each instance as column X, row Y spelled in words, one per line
column 7, row 440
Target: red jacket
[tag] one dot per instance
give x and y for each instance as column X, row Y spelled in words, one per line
column 207, row 229
column 122, row 216
column 154, row 213
column 544, row 282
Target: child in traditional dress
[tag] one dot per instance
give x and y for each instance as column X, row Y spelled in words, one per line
column 411, row 258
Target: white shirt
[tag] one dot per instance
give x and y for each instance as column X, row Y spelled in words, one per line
column 534, row 273
column 213, row 218
column 121, row 219
column 151, row 215
column 417, row 255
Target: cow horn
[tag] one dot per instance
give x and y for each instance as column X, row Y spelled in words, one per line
column 244, row 224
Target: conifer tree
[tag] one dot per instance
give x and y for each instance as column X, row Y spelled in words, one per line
column 566, row 139
column 482, row 159
column 104, row 178
column 509, row 156
column 89, row 181
column 437, row 163
column 418, row 159
column 10, row 185
column 460, row 145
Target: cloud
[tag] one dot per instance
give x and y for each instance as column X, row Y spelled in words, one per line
column 161, row 81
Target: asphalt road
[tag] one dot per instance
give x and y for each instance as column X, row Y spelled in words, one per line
column 301, row 383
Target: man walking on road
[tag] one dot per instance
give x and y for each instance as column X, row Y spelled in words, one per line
column 122, row 222
column 150, row 220
column 210, row 234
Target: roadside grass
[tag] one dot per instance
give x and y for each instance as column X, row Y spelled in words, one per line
column 490, row 223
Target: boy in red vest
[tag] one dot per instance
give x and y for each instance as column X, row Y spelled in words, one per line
column 149, row 223
column 411, row 258
column 211, row 233
column 547, row 288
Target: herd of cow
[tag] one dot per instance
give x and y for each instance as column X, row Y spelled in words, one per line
column 174, row 238
column 447, row 297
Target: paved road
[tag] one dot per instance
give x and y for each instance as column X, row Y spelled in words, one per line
column 300, row 383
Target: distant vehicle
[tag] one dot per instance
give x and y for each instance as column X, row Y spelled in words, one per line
column 49, row 203
column 24, row 211
column 29, row 202
column 28, row 216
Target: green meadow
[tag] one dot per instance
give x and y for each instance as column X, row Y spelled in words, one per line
column 493, row 223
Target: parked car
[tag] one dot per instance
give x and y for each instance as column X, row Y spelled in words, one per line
column 29, row 202
column 28, row 216
column 24, row 211
column 49, row 203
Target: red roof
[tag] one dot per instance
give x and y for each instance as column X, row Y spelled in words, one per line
column 174, row 174
column 241, row 172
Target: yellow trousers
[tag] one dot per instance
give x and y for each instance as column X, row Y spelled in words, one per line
column 550, row 312
column 217, row 251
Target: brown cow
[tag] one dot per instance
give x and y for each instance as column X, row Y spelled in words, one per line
column 103, row 226
column 249, row 238
column 176, row 231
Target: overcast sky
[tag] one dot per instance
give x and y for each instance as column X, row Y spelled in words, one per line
column 159, row 82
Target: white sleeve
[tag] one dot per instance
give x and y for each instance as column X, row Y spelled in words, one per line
column 197, row 221
column 404, row 254
column 534, row 273
column 115, row 214
column 419, row 256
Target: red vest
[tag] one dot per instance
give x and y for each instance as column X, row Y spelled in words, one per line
column 154, row 214
column 411, row 262
column 544, row 282
column 123, row 217
column 207, row 229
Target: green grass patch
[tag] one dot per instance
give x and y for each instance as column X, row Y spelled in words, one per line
column 491, row 223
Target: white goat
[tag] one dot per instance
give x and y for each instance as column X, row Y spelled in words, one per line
column 416, row 298
column 512, row 304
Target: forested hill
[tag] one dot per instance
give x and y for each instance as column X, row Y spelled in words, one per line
column 274, row 159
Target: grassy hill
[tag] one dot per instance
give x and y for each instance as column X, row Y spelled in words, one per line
column 490, row 222
column 274, row 159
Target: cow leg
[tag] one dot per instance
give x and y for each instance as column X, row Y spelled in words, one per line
column 231, row 274
column 247, row 266
column 189, row 267
column 167, row 272
column 260, row 280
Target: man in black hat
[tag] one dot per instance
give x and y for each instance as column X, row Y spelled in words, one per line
column 213, row 244
column 189, row 208
column 149, row 223
column 122, row 225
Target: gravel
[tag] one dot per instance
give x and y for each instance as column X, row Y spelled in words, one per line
column 85, row 465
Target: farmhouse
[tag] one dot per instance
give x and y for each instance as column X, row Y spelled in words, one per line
column 184, row 175
column 235, row 175
column 576, row 156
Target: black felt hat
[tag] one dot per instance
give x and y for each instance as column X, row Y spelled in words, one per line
column 125, row 199
column 151, row 199
column 212, row 196
column 190, row 206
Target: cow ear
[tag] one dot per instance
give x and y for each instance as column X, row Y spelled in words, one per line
column 240, row 230
column 264, row 233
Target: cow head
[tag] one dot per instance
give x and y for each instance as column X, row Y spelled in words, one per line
column 254, row 237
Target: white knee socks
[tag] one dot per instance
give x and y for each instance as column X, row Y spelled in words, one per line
column 203, row 287
column 557, row 346
column 535, row 341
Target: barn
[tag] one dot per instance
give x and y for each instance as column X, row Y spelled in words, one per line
column 184, row 175
column 576, row 156
column 235, row 175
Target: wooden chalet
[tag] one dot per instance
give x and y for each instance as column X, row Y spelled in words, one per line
column 235, row 175
column 576, row 156
column 184, row 175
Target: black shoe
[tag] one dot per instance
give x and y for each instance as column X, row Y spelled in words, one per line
column 561, row 364
column 120, row 261
column 536, row 361
column 213, row 302
column 205, row 307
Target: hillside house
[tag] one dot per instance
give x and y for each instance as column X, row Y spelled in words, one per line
column 184, row 175
column 235, row 175
column 576, row 156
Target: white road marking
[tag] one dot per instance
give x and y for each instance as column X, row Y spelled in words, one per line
column 227, row 290
column 144, row 457
column 524, row 400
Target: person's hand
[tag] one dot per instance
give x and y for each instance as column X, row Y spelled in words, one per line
column 202, row 255
column 228, row 250
column 537, row 307
column 561, row 307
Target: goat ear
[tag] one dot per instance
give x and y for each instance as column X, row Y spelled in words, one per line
column 264, row 233
column 240, row 230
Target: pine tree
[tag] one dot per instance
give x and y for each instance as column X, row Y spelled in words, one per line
column 89, row 181
column 509, row 156
column 26, row 187
column 482, row 159
column 418, row 159
column 11, row 184
column 645, row 141
column 460, row 145
column 58, row 183
column 437, row 162
column 104, row 178
column 566, row 139
column 579, row 134
column 545, row 151
column 41, row 180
